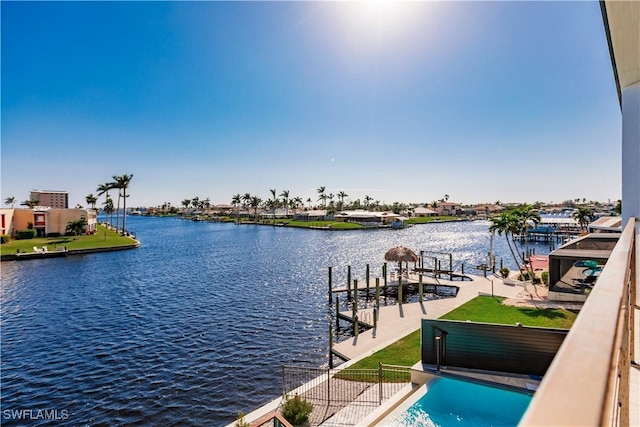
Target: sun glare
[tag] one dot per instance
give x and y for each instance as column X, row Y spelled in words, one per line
column 380, row 22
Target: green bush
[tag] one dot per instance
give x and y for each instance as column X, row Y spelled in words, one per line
column 545, row 277
column 240, row 422
column 504, row 272
column 525, row 277
column 296, row 410
column 25, row 234
column 53, row 235
column 5, row 238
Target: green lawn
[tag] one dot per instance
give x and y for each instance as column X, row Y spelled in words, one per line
column 102, row 239
column 490, row 310
column 406, row 351
column 424, row 220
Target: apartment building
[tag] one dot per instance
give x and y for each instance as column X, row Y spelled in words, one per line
column 51, row 198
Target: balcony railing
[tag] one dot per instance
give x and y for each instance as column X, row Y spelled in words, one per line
column 587, row 383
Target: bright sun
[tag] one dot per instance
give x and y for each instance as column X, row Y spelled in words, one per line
column 380, row 22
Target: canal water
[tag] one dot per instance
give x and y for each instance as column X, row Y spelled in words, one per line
column 193, row 326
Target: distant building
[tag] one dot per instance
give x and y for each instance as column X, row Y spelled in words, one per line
column 448, row 209
column 51, row 198
column 423, row 212
column 45, row 221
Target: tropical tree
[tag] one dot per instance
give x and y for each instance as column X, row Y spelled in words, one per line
column 77, row 226
column 273, row 203
column 246, row 201
column 255, row 203
column 309, row 201
column 367, row 201
column 30, row 203
column 186, row 203
column 583, row 216
column 446, row 198
column 91, row 201
column 285, row 201
column 322, row 196
column 341, row 196
column 297, row 202
column 206, row 204
column 235, row 201
column 104, row 189
column 122, row 183
column 10, row 201
column 108, row 208
column 514, row 223
column 195, row 202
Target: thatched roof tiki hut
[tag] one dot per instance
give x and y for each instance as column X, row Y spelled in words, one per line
column 401, row 254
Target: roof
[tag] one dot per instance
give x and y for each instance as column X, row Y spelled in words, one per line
column 622, row 27
column 607, row 223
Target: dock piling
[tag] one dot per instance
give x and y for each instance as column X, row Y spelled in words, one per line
column 330, row 287
column 349, row 282
column 420, row 288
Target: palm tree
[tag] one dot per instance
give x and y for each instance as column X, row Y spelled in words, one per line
column 342, row 195
column 246, row 201
column 10, row 201
column 186, row 203
column 122, row 183
column 195, row 202
column 583, row 216
column 30, row 203
column 255, row 203
column 513, row 223
column 206, row 204
column 446, row 198
column 108, row 207
column 322, row 196
column 309, row 201
column 285, row 201
column 297, row 203
column 104, row 189
column 91, row 200
column 367, row 200
column 77, row 226
column 273, row 203
column 235, row 201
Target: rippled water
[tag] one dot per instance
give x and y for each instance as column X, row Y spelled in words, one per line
column 194, row 325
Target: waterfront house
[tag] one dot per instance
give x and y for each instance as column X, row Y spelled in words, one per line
column 45, row 221
column 448, row 208
column 422, row 212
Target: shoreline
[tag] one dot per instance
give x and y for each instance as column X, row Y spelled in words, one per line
column 70, row 252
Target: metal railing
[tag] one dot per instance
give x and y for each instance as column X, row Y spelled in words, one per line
column 588, row 380
column 332, row 390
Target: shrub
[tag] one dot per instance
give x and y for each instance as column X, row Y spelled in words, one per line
column 240, row 420
column 53, row 235
column 296, row 410
column 25, row 234
column 525, row 277
column 504, row 272
column 545, row 277
column 5, row 238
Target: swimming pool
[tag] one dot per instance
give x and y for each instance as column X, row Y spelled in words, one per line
column 450, row 402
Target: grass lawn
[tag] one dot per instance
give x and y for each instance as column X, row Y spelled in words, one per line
column 102, row 239
column 426, row 219
column 490, row 310
column 406, row 351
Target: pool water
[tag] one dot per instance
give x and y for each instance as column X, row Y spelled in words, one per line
column 450, row 402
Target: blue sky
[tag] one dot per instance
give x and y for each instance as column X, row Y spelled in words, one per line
column 407, row 102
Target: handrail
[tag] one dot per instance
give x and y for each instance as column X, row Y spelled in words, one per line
column 587, row 382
